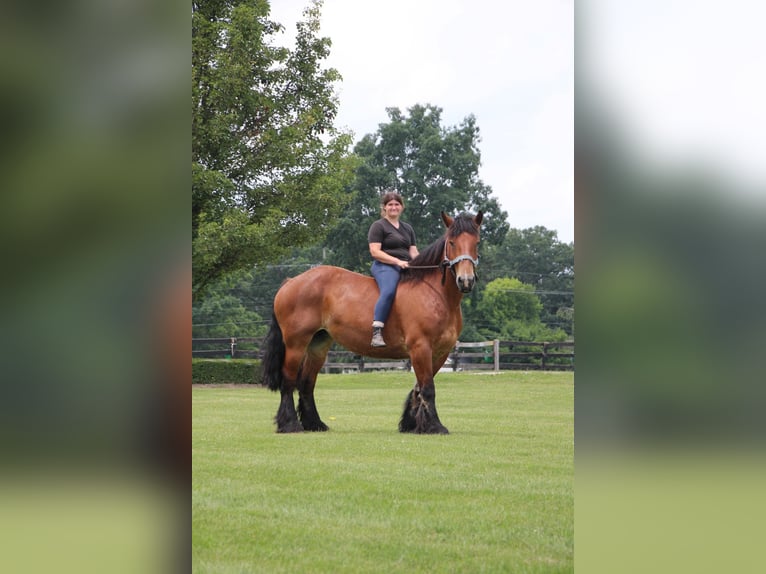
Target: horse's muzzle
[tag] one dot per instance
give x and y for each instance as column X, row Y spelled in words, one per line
column 465, row 283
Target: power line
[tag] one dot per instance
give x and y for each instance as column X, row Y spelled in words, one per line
column 536, row 292
column 237, row 324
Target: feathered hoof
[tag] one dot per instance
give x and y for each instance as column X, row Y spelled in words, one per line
column 419, row 416
column 428, row 429
column 433, row 428
column 291, row 427
column 315, row 427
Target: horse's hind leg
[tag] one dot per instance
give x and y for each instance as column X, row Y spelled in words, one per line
column 307, row 409
column 407, row 423
column 315, row 358
column 287, row 418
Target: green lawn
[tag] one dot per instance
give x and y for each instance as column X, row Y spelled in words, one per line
column 496, row 495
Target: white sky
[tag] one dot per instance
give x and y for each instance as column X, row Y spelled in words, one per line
column 509, row 63
column 685, row 78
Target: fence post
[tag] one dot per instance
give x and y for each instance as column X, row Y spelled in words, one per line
column 545, row 354
column 233, row 346
column 454, row 356
column 496, row 352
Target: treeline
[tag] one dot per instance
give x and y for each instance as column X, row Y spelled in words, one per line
column 525, row 291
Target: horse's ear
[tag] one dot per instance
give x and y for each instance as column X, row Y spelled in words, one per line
column 478, row 218
column 447, row 219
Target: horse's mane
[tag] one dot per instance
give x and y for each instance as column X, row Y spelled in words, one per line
column 432, row 256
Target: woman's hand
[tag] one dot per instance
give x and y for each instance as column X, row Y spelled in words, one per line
column 378, row 254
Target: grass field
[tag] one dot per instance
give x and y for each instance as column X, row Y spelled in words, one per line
column 495, row 495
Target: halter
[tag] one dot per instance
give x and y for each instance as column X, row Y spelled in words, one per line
column 450, row 263
column 458, row 259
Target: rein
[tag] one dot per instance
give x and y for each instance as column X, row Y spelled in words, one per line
column 447, row 263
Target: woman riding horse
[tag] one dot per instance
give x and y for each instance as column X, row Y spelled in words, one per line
column 327, row 304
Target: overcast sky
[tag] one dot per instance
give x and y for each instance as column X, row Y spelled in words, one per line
column 684, row 78
column 510, row 64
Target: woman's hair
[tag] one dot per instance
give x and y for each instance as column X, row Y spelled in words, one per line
column 390, row 196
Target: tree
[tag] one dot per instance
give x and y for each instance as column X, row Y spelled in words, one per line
column 537, row 257
column 510, row 310
column 224, row 315
column 269, row 170
column 433, row 167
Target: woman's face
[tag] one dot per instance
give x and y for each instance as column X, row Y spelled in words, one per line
column 393, row 208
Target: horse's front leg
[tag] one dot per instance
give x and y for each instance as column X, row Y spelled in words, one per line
column 419, row 415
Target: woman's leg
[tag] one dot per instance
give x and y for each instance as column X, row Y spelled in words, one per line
column 387, row 277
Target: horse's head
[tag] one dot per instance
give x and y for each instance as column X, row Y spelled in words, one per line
column 461, row 248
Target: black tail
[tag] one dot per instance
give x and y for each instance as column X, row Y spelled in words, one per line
column 273, row 356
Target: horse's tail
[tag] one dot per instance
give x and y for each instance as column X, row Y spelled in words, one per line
column 273, row 356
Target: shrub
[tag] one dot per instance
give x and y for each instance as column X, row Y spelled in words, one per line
column 231, row 371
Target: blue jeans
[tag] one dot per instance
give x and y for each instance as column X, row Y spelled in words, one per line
column 387, row 277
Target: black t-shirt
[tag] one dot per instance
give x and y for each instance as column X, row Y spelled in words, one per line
column 393, row 241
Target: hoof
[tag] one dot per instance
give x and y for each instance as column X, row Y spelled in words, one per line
column 410, row 426
column 316, row 427
column 433, row 429
column 290, row 427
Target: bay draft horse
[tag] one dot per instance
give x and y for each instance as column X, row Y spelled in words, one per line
column 327, row 304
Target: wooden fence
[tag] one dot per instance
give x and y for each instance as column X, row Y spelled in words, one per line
column 513, row 355
column 486, row 355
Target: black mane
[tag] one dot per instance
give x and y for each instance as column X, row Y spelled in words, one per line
column 432, row 256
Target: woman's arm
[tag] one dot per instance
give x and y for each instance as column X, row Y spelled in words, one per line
column 379, row 255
